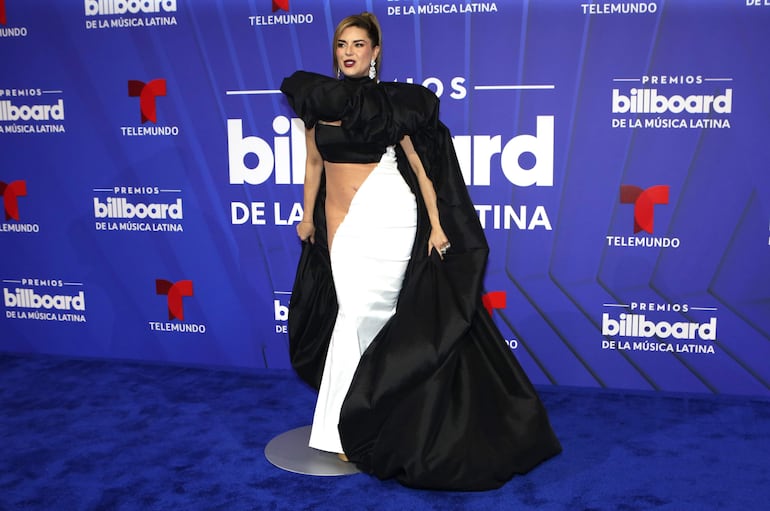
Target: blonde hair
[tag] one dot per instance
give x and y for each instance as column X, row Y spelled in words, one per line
column 366, row 21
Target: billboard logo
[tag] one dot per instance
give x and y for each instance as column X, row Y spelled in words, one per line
column 11, row 112
column 644, row 202
column 174, row 291
column 11, row 192
column 119, row 14
column 40, row 116
column 281, row 5
column 648, row 101
column 113, row 7
column 637, row 332
column 121, row 208
column 667, row 101
column 29, row 299
column 637, row 325
column 447, row 8
column 281, row 312
column 254, row 160
column 24, row 299
column 525, row 160
column 124, row 211
column 147, row 92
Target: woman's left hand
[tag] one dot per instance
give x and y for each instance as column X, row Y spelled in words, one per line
column 438, row 242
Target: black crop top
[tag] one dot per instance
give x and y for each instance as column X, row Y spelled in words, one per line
column 336, row 146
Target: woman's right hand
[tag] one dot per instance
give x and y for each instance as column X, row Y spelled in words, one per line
column 306, row 231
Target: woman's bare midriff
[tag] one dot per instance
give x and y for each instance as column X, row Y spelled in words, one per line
column 342, row 182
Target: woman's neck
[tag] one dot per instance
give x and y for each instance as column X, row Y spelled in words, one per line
column 357, row 79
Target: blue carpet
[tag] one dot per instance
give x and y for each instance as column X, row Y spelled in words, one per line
column 93, row 435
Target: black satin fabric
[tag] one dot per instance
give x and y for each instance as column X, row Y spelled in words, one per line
column 336, row 146
column 438, row 400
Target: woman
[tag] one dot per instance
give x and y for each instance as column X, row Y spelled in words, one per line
column 415, row 381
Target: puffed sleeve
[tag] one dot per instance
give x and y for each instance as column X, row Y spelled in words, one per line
column 314, row 97
column 415, row 108
column 417, row 113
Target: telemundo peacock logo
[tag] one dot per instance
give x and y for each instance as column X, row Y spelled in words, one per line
column 174, row 293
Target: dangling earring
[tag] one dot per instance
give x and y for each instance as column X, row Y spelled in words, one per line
column 372, row 70
column 339, row 74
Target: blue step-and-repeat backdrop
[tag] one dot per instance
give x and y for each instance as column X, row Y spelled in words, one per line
column 617, row 154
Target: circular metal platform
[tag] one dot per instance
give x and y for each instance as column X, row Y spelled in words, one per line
column 289, row 451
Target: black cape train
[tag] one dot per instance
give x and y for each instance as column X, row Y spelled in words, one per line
column 438, row 399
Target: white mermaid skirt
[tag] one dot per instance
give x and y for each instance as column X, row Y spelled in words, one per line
column 369, row 255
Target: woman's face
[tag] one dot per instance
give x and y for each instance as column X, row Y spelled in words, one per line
column 355, row 52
